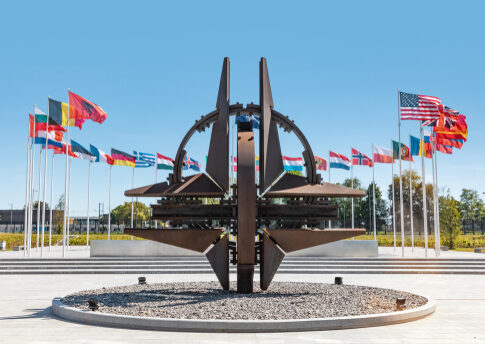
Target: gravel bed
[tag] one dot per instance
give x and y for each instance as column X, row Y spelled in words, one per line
column 206, row 300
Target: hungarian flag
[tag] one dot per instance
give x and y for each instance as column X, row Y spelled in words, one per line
column 122, row 159
column 359, row 158
column 321, row 163
column 164, row 162
column 382, row 155
column 292, row 164
column 101, row 156
column 405, row 152
column 81, row 109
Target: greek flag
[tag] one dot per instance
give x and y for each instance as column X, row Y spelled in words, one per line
column 144, row 159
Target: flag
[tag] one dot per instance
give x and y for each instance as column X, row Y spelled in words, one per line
column 292, row 164
column 405, row 152
column 320, row 163
column 339, row 161
column 82, row 152
column 122, row 159
column 144, row 159
column 247, row 118
column 444, row 148
column 451, row 125
column 52, row 135
column 419, row 107
column 415, row 144
column 382, row 155
column 59, row 111
column 41, row 124
column 428, row 146
column 455, row 143
column 359, row 158
column 191, row 163
column 81, row 109
column 31, row 126
column 51, row 143
column 164, row 162
column 63, row 151
column 101, row 156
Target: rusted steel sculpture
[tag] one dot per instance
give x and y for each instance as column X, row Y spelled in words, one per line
column 248, row 222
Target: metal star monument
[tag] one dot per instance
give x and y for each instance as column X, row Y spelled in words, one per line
column 245, row 223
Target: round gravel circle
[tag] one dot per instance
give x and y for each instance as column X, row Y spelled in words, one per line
column 206, row 300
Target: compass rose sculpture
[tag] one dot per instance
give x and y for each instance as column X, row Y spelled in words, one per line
column 246, row 223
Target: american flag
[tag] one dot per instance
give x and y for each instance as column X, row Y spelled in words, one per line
column 419, row 107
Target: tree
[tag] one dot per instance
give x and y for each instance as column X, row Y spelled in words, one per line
column 367, row 213
column 450, row 219
column 59, row 215
column 471, row 208
column 122, row 213
column 345, row 206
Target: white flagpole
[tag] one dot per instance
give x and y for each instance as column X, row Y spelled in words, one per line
column 38, row 200
column 374, row 196
column 352, row 186
column 50, row 210
column 423, row 181
column 109, row 204
column 26, row 211
column 31, row 191
column 401, row 206
column 69, row 204
column 411, row 206
column 64, row 229
column 45, row 180
column 132, row 186
column 437, row 205
column 329, row 222
column 435, row 217
column 393, row 204
column 87, row 220
column 156, row 181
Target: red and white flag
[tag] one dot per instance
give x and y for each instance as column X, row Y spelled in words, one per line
column 382, row 155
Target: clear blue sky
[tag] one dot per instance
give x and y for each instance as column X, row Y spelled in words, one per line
column 334, row 67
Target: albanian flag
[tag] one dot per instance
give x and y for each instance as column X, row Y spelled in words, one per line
column 82, row 109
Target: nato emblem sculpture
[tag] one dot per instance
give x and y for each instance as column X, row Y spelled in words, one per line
column 243, row 224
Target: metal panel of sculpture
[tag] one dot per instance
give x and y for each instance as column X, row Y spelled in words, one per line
column 239, row 225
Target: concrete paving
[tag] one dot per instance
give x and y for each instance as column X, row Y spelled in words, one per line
column 25, row 315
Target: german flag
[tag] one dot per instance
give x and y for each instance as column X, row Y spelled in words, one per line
column 122, row 159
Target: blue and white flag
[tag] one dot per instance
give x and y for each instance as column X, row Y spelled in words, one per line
column 247, row 118
column 144, row 159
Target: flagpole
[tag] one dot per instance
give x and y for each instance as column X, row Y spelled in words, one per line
column 132, row 186
column 374, row 197
column 411, row 206
column 423, row 182
column 69, row 203
column 352, row 186
column 435, row 218
column 38, row 200
column 156, row 180
column 45, row 180
column 109, row 204
column 50, row 210
column 330, row 221
column 87, row 220
column 64, row 229
column 401, row 207
column 393, row 204
column 26, row 221
column 31, row 191
column 411, row 197
column 437, row 206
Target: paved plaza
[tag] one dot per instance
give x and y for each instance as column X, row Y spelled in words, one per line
column 25, row 314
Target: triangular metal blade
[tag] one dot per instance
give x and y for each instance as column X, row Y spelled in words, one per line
column 270, row 160
column 218, row 157
column 218, row 257
column 271, row 258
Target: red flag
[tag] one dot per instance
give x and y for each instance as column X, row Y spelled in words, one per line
column 63, row 151
column 31, row 125
column 81, row 109
column 321, row 163
column 444, row 149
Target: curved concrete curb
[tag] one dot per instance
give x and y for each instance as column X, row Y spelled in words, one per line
column 191, row 325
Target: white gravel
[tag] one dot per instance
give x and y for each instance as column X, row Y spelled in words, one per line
column 206, row 300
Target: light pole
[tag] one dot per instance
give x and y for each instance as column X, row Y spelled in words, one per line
column 11, row 212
